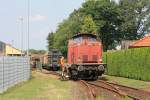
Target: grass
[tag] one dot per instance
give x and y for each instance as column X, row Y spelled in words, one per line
column 39, row 87
column 128, row 82
column 45, row 87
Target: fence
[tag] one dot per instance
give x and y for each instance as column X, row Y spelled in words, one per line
column 13, row 70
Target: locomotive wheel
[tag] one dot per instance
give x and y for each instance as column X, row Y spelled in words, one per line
column 74, row 75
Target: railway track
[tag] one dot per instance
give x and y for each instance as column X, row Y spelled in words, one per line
column 107, row 87
column 134, row 93
column 120, row 90
column 90, row 90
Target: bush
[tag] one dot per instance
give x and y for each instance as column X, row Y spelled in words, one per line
column 132, row 63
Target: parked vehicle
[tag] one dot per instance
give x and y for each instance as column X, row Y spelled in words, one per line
column 53, row 60
column 85, row 57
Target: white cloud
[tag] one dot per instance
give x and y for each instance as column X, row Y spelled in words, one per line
column 36, row 18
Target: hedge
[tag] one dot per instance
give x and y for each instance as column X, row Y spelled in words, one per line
column 131, row 63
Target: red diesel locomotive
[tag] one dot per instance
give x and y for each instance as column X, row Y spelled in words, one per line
column 85, row 57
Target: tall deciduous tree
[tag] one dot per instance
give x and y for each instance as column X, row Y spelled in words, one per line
column 88, row 26
column 128, row 19
column 106, row 15
column 50, row 40
column 136, row 15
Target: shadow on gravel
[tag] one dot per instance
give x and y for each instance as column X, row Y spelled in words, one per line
column 100, row 78
column 103, row 78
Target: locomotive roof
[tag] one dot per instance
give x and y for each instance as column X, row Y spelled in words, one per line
column 83, row 34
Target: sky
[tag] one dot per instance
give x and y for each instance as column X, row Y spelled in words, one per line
column 45, row 16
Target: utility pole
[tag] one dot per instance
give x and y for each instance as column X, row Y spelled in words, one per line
column 21, row 20
column 28, row 35
column 28, row 27
column 12, row 43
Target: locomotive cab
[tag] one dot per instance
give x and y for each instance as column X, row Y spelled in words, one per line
column 85, row 57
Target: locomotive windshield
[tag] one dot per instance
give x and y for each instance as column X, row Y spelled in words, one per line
column 79, row 38
column 92, row 39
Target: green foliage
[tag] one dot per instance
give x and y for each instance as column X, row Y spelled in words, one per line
column 129, row 19
column 132, row 63
column 108, row 19
column 33, row 51
column 91, row 17
column 66, row 30
column 88, row 26
column 136, row 16
column 50, row 40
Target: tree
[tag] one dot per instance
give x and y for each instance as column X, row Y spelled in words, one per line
column 94, row 16
column 136, row 15
column 113, row 22
column 107, row 17
column 88, row 26
column 50, row 40
column 66, row 30
column 33, row 51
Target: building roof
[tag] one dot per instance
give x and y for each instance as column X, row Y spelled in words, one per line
column 144, row 42
column 13, row 47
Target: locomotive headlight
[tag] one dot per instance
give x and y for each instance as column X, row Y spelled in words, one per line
column 79, row 60
column 101, row 67
column 100, row 61
column 80, row 68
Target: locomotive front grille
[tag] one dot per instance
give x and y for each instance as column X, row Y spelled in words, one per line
column 94, row 58
column 85, row 58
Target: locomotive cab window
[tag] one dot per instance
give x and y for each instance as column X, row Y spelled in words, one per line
column 78, row 39
column 89, row 38
column 92, row 39
column 82, row 37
